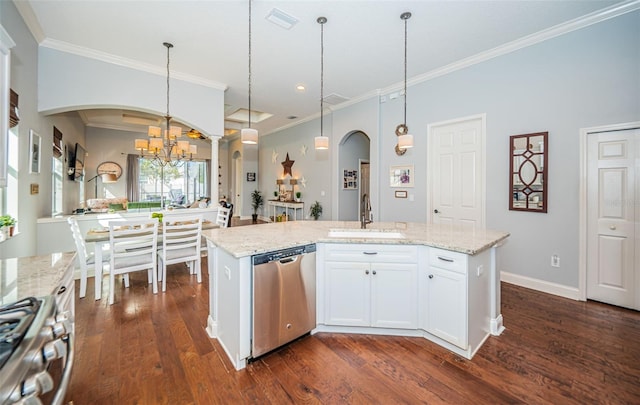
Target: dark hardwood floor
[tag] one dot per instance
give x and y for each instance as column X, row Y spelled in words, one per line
column 153, row 349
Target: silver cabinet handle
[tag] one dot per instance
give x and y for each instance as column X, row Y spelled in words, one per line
column 445, row 259
column 370, row 253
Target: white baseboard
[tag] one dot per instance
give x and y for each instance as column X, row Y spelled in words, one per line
column 541, row 285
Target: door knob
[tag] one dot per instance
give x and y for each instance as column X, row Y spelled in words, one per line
column 612, row 227
column 436, row 211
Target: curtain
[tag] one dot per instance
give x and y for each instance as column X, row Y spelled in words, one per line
column 14, row 117
column 133, row 174
column 57, row 142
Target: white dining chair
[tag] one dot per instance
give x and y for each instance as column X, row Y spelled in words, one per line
column 181, row 243
column 134, row 246
column 86, row 259
column 223, row 217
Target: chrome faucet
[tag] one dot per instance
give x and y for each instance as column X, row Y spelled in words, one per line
column 365, row 212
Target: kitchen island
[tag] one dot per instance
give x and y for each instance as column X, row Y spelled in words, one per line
column 434, row 281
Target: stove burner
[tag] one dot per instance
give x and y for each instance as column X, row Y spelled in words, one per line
column 15, row 320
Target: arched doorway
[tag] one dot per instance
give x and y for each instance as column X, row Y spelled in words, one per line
column 353, row 171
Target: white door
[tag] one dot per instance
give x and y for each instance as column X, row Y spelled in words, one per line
column 237, row 201
column 457, row 170
column 612, row 212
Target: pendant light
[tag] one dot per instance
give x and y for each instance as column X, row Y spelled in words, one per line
column 249, row 135
column 405, row 140
column 321, row 142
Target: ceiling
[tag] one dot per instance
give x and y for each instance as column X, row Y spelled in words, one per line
column 363, row 43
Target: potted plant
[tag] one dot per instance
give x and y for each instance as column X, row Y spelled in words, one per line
column 298, row 196
column 9, row 222
column 256, row 202
column 316, row 210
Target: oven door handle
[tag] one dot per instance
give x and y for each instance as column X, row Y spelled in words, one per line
column 66, row 376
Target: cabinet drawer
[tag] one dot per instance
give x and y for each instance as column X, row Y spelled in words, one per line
column 446, row 259
column 371, row 253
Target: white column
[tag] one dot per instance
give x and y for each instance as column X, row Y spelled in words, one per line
column 214, row 171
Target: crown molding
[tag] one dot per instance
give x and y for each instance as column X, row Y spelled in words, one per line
column 30, row 19
column 128, row 63
column 607, row 13
column 587, row 20
column 6, row 42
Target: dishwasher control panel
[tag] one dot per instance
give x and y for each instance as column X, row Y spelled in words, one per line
column 282, row 254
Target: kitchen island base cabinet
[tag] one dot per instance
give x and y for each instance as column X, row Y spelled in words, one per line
column 364, row 288
column 230, row 304
column 441, row 295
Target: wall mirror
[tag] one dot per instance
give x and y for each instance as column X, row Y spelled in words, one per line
column 528, row 172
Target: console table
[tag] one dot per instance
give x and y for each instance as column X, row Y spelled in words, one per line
column 287, row 205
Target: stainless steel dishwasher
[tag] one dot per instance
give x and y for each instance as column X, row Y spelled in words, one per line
column 284, row 297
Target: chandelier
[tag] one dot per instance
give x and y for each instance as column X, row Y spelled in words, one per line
column 163, row 145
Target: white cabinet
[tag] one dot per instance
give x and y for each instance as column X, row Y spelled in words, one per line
column 446, row 302
column 371, row 285
column 443, row 296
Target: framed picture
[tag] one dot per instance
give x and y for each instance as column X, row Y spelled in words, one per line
column 350, row 180
column 251, row 176
column 401, row 194
column 34, row 152
column 401, row 176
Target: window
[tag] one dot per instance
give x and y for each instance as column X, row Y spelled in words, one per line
column 181, row 185
column 56, row 186
column 9, row 195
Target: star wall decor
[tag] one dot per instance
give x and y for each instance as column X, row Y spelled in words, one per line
column 303, row 150
column 303, row 181
column 274, row 156
column 287, row 165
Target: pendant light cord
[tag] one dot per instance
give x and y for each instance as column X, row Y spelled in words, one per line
column 249, row 63
column 321, row 75
column 405, row 70
column 168, row 45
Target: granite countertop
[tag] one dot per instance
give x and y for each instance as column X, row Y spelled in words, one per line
column 34, row 276
column 254, row 239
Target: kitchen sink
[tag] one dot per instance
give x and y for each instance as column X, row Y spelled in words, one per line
column 365, row 234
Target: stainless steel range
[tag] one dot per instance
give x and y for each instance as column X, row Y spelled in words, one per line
column 36, row 350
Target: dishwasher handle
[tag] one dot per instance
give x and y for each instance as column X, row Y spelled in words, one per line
column 287, row 260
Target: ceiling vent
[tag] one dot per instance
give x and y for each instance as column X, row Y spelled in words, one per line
column 281, row 19
column 335, row 99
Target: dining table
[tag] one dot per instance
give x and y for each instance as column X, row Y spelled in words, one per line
column 100, row 237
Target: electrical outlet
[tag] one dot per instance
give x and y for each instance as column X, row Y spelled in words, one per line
column 555, row 261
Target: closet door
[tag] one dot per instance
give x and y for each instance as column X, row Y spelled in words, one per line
column 612, row 212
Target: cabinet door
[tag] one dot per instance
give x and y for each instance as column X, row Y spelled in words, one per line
column 347, row 294
column 447, row 305
column 394, row 295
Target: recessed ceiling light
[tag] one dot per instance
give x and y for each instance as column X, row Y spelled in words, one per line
column 300, row 87
column 281, row 19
